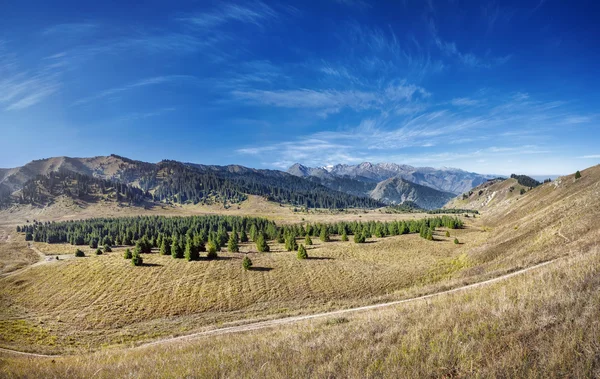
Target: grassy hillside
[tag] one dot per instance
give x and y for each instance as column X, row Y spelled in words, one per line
column 543, row 324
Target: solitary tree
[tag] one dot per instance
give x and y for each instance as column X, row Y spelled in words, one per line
column 136, row 259
column 302, row 253
column 456, row 241
column 577, row 175
column 246, row 263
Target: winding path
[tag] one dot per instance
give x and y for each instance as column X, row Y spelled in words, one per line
column 294, row 319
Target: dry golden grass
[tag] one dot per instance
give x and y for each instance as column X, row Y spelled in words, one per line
column 103, row 300
column 541, row 324
column 14, row 253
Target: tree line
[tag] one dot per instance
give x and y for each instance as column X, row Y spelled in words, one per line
column 188, row 236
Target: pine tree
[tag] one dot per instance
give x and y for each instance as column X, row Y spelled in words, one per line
column 246, row 263
column 165, row 246
column 324, row 236
column 429, row 235
column 302, row 253
column 359, row 237
column 456, row 241
column 308, row 240
column 232, row 244
column 79, row 253
column 107, row 249
column 98, row 251
column 127, row 254
column 136, row 259
column 243, row 237
column 344, row 236
column 93, row 243
column 447, row 233
column 211, row 249
column 176, row 250
column 191, row 252
column 261, row 244
column 577, row 175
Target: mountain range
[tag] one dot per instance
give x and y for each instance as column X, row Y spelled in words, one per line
column 393, row 183
column 341, row 186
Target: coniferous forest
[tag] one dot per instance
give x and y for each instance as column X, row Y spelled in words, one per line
column 157, row 231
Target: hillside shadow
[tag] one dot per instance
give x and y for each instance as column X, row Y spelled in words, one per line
column 263, row 269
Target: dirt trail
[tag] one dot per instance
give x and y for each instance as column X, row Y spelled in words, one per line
column 44, row 259
column 294, row 319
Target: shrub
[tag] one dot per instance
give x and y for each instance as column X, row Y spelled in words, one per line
column 246, row 263
column 324, row 236
column 98, row 251
column 302, row 253
column 344, row 237
column 136, row 259
column 447, row 233
column 456, row 241
column 79, row 253
column 577, row 175
column 308, row 240
column 93, row 243
column 127, row 254
column 107, row 249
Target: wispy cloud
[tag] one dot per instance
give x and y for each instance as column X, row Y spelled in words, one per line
column 333, row 101
column 594, row 156
column 70, row 29
column 22, row 88
column 141, row 83
column 252, row 13
column 359, row 4
column 464, row 101
column 390, row 138
column 450, row 50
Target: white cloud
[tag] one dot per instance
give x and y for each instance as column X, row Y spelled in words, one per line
column 252, row 12
column 141, row 83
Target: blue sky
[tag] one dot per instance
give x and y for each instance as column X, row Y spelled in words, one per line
column 486, row 86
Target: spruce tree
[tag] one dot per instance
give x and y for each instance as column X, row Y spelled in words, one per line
column 211, row 249
column 447, row 233
column 261, row 244
column 191, row 252
column 456, row 241
column 246, row 263
column 308, row 240
column 79, row 253
column 344, row 236
column 577, row 175
column 324, row 236
column 127, row 254
column 243, row 237
column 176, row 251
column 136, row 259
column 98, row 251
column 302, row 253
column 232, row 244
column 165, row 246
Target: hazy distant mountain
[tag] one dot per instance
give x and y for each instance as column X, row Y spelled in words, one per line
column 173, row 181
column 397, row 190
column 445, row 179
